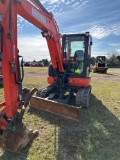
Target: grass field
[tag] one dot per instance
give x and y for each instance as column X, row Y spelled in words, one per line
column 97, row 137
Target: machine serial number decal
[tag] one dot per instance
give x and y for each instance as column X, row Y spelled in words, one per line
column 38, row 16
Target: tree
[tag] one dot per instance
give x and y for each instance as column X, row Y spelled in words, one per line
column 34, row 60
column 45, row 62
column 113, row 60
column 92, row 60
column 118, row 57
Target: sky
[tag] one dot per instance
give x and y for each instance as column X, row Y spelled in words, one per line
column 100, row 18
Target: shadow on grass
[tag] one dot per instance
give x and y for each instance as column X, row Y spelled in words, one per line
column 110, row 74
column 97, row 136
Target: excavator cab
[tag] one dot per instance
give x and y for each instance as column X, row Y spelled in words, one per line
column 77, row 52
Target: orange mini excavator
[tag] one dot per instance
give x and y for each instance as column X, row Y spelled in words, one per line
column 68, row 74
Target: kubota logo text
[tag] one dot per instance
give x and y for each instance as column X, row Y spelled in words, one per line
column 38, row 16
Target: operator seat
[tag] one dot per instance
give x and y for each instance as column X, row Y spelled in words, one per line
column 79, row 55
column 79, row 59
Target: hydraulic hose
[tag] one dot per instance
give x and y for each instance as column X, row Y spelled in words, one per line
column 21, row 78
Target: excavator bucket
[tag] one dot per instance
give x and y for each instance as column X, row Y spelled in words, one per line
column 17, row 139
column 16, row 136
column 64, row 111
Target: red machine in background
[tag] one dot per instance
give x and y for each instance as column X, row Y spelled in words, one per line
column 67, row 73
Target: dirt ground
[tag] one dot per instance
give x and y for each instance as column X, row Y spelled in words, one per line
column 33, row 74
column 113, row 74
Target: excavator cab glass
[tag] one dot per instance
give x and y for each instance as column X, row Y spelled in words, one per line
column 74, row 49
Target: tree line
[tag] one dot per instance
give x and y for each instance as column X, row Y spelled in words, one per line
column 34, row 63
column 113, row 59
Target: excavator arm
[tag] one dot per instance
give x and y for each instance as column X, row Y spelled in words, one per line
column 42, row 19
column 8, row 47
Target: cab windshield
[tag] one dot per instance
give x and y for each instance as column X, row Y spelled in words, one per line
column 73, row 44
column 75, row 49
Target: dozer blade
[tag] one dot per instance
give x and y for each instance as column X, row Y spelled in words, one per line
column 64, row 111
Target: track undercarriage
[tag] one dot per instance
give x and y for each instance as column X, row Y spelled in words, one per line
column 63, row 102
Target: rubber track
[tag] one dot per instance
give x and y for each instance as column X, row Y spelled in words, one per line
column 83, row 96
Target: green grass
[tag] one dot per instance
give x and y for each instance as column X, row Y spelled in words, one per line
column 97, row 137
